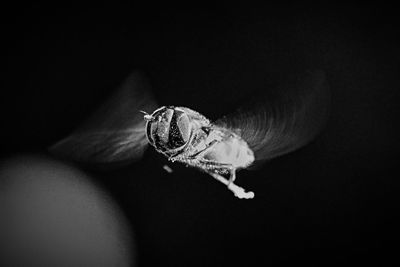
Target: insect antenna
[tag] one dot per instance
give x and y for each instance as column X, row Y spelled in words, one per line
column 147, row 116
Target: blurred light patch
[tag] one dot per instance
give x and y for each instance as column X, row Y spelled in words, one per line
column 53, row 215
column 168, row 169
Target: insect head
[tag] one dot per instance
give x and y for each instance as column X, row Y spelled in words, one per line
column 168, row 129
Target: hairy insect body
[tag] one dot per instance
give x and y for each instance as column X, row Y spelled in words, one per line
column 186, row 136
column 229, row 149
column 218, row 145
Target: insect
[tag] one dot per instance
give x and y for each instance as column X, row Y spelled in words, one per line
column 122, row 128
column 186, row 136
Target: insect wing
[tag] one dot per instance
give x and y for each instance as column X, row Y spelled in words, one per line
column 284, row 120
column 116, row 131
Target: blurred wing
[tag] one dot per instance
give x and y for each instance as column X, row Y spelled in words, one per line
column 283, row 120
column 115, row 132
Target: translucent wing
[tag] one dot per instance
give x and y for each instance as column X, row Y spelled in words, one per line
column 282, row 120
column 115, row 132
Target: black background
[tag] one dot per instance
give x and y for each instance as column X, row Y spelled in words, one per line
column 332, row 202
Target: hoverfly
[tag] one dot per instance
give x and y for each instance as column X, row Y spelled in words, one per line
column 122, row 129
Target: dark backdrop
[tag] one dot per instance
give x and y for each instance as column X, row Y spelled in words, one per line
column 332, row 202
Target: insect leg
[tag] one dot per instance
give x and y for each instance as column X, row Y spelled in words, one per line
column 204, row 151
column 224, row 166
column 209, row 165
column 237, row 190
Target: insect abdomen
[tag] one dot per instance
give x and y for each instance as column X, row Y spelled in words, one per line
column 231, row 150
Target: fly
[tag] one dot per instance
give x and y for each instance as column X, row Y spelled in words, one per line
column 268, row 128
column 186, row 136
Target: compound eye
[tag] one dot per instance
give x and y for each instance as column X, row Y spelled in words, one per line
column 179, row 132
column 157, row 128
column 169, row 131
column 183, row 124
column 149, row 132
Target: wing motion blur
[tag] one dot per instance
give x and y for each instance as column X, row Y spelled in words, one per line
column 115, row 132
column 285, row 119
